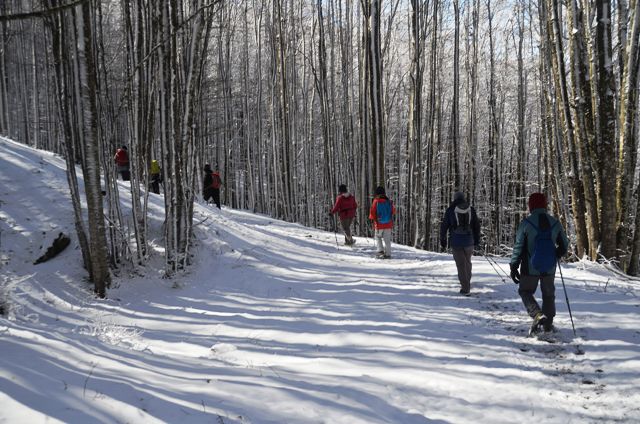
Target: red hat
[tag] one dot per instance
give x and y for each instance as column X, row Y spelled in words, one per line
column 537, row 201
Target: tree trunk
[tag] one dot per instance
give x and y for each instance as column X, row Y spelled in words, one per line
column 97, row 236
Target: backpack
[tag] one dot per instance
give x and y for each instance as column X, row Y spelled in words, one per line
column 383, row 212
column 543, row 257
column 215, row 180
column 463, row 220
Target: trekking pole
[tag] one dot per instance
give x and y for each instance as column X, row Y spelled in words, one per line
column 494, row 267
column 335, row 230
column 567, row 299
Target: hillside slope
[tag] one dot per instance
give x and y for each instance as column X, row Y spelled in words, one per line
column 275, row 323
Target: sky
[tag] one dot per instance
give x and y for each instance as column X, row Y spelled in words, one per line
column 278, row 323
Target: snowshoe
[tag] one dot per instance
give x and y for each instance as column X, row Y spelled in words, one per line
column 538, row 324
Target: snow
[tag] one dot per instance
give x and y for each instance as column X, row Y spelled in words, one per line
column 275, row 323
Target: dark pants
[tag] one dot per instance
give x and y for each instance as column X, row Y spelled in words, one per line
column 124, row 172
column 462, row 257
column 346, row 227
column 212, row 193
column 155, row 183
column 527, row 289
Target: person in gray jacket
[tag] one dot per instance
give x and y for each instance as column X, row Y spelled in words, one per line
column 540, row 241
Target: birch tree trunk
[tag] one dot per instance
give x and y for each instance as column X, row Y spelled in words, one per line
column 97, row 236
column 61, row 61
column 627, row 123
column 371, row 10
column 414, row 133
column 4, row 76
column 603, row 79
column 583, row 119
column 562, row 94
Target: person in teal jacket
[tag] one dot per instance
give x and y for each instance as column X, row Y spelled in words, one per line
column 527, row 276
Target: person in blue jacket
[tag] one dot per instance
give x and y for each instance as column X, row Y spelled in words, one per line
column 541, row 241
column 463, row 226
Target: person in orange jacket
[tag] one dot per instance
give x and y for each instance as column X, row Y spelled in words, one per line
column 381, row 213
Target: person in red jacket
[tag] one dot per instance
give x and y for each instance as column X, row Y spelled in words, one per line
column 381, row 213
column 346, row 206
column 121, row 159
column 211, row 185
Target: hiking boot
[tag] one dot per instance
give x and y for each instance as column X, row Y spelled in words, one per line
column 547, row 326
column 386, row 256
column 538, row 323
column 465, row 292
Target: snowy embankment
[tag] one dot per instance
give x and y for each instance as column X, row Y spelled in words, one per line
column 274, row 323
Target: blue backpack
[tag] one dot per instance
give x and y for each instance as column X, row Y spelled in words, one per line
column 383, row 212
column 543, row 257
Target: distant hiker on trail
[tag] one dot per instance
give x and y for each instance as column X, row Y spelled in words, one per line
column 121, row 159
column 156, row 177
column 211, row 185
column 381, row 213
column 346, row 206
column 462, row 225
column 540, row 242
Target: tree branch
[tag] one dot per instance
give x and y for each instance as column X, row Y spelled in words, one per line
column 40, row 13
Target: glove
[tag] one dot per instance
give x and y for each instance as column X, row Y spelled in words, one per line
column 443, row 248
column 560, row 252
column 515, row 274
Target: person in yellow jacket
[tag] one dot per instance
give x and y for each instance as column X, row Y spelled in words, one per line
column 155, row 176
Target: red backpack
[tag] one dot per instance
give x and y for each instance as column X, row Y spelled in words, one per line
column 216, row 182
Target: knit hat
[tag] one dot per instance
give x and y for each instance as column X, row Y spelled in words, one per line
column 124, row 147
column 207, row 167
column 458, row 195
column 379, row 191
column 537, row 201
column 342, row 188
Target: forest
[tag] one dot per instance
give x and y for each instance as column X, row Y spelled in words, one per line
column 290, row 98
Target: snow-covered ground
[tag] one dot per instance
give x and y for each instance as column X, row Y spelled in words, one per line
column 275, row 323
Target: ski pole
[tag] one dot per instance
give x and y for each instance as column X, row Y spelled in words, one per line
column 567, row 299
column 335, row 230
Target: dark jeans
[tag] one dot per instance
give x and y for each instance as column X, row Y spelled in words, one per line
column 527, row 289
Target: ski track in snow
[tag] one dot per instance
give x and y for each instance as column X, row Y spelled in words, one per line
column 275, row 323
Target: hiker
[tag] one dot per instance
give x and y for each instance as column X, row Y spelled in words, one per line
column 211, row 185
column 156, row 177
column 121, row 159
column 381, row 213
column 463, row 227
column 540, row 242
column 346, row 206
